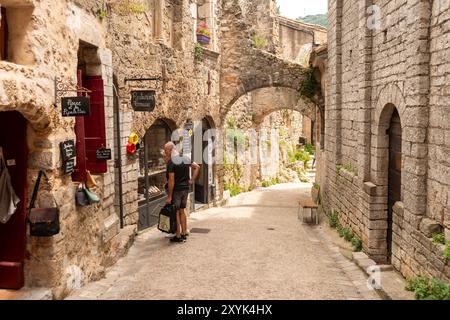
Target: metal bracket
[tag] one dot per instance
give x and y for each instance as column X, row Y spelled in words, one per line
column 62, row 88
column 164, row 78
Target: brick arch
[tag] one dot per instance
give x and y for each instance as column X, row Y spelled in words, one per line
column 259, row 70
column 270, row 100
column 390, row 95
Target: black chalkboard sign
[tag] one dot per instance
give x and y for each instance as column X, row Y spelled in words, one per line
column 76, row 107
column 68, row 150
column 104, row 154
column 143, row 100
column 69, row 166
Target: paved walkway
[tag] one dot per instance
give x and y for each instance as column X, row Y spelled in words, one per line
column 256, row 249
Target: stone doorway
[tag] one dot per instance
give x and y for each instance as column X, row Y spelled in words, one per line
column 203, row 186
column 394, row 174
column 13, row 144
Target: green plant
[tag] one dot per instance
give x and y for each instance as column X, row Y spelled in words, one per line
column 309, row 86
column 339, row 168
column 102, row 14
column 333, row 219
column 447, row 252
column 438, row 238
column 198, row 51
column 347, row 234
column 316, row 185
column 203, row 29
column 259, row 42
column 356, row 243
column 234, row 189
column 310, row 148
column 425, row 288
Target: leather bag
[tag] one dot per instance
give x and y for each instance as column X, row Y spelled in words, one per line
column 44, row 222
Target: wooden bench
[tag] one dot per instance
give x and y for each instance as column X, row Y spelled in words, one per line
column 307, row 207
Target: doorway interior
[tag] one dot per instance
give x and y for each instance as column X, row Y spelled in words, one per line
column 204, row 186
column 394, row 175
column 13, row 142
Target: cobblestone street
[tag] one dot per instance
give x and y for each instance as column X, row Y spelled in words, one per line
column 256, row 249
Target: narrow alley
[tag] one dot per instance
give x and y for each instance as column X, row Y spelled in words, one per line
column 253, row 248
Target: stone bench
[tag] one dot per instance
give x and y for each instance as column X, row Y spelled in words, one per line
column 308, row 208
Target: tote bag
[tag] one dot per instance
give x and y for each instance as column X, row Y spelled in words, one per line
column 8, row 198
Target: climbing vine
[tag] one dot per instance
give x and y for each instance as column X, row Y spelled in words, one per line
column 309, row 86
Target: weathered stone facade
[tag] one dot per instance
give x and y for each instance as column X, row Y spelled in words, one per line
column 398, row 66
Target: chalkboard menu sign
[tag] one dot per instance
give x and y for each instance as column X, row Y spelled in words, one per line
column 68, row 150
column 143, row 100
column 104, row 154
column 68, row 154
column 69, row 166
column 76, row 107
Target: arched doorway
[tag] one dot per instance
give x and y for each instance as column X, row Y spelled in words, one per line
column 394, row 174
column 204, row 186
column 13, row 145
column 152, row 172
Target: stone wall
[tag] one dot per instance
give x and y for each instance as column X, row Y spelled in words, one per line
column 372, row 71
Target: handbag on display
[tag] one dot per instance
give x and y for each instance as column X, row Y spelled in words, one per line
column 92, row 197
column 44, row 222
column 8, row 198
column 81, row 197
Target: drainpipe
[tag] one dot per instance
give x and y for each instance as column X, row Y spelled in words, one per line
column 118, row 162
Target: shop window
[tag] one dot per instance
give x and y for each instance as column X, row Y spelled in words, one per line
column 3, row 35
column 90, row 131
column 155, row 139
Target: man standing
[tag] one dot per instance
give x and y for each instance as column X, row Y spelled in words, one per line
column 179, row 182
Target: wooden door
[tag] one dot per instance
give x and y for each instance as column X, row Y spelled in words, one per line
column 13, row 234
column 395, row 173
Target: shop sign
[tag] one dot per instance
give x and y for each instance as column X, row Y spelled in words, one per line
column 68, row 154
column 143, row 100
column 69, row 166
column 104, row 154
column 68, row 150
column 76, row 107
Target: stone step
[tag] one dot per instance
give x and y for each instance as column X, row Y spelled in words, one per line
column 27, row 294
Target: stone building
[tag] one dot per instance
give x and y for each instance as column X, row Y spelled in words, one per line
column 385, row 160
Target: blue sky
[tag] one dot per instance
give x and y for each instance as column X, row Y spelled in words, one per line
column 296, row 8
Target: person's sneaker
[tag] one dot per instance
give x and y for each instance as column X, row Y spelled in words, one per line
column 177, row 240
column 184, row 236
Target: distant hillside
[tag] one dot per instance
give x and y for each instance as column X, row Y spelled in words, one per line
column 320, row 19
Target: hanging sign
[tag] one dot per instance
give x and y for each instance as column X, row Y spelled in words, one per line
column 68, row 150
column 104, row 154
column 76, row 107
column 143, row 100
column 69, row 166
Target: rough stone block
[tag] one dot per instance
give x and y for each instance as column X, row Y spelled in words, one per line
column 428, row 227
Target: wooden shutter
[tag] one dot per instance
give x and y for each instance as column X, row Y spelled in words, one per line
column 3, row 35
column 79, row 173
column 94, row 125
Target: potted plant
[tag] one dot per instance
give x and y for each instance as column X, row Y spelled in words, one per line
column 315, row 192
column 203, row 34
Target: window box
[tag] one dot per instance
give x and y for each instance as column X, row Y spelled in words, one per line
column 203, row 39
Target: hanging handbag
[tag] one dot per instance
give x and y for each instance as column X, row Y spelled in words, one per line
column 92, row 197
column 81, row 197
column 8, row 197
column 44, row 222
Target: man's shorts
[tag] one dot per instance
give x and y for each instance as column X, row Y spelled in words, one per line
column 179, row 198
